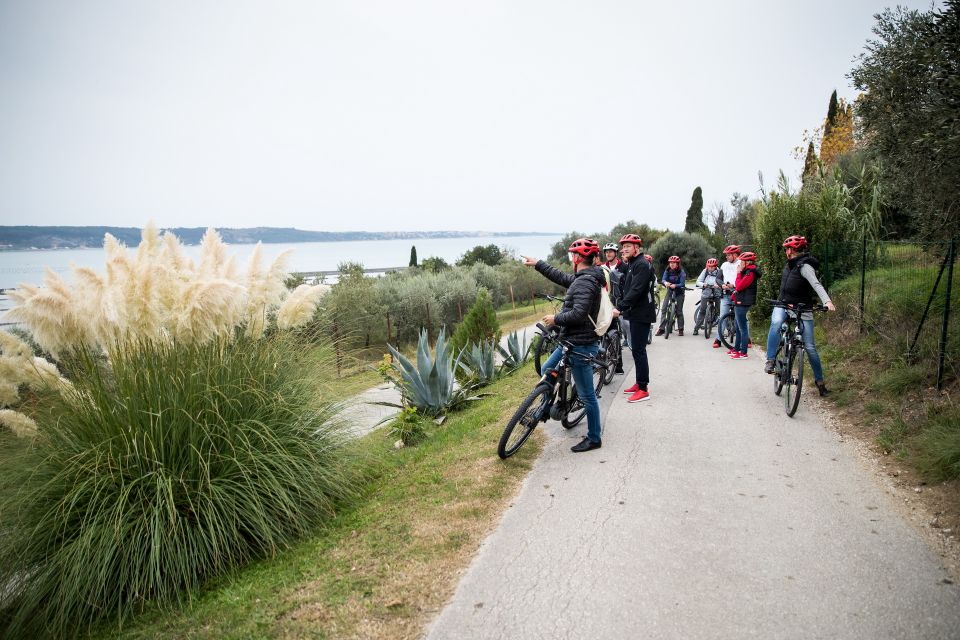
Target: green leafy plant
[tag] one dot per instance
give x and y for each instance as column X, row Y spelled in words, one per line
column 517, row 352
column 429, row 384
column 160, row 468
column 479, row 325
column 408, row 426
column 477, row 364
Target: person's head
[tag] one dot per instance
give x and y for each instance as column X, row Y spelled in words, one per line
column 610, row 252
column 712, row 264
column 584, row 252
column 630, row 246
column 731, row 252
column 748, row 257
column 673, row 263
column 648, row 258
column 794, row 246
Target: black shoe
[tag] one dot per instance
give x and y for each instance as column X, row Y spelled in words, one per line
column 679, row 332
column 696, row 332
column 619, row 370
column 659, row 332
column 586, row 445
column 768, row 367
column 822, row 388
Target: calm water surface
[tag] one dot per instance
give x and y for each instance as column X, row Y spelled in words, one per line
column 29, row 266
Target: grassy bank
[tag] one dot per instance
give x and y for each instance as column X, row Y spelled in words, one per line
column 383, row 567
column 873, row 377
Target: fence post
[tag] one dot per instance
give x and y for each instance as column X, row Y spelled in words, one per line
column 388, row 334
column 513, row 302
column 946, row 313
column 863, row 283
column 534, row 298
column 429, row 324
column 926, row 310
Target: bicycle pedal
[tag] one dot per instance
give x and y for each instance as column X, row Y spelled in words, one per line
column 556, row 412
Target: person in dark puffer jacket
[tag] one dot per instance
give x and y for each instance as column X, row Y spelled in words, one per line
column 638, row 308
column 581, row 306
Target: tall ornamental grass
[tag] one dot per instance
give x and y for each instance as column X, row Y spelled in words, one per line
column 190, row 440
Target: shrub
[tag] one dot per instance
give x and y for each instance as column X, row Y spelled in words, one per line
column 517, row 352
column 489, row 254
column 692, row 248
column 172, row 464
column 427, row 386
column 408, row 426
column 477, row 364
column 479, row 325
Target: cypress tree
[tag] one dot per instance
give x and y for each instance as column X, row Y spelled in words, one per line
column 694, row 222
column 832, row 110
column 809, row 166
column 413, row 256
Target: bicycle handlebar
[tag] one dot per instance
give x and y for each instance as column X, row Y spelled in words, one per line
column 799, row 306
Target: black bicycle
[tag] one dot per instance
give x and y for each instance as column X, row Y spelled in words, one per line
column 545, row 342
column 555, row 397
column 673, row 310
column 656, row 311
column 611, row 350
column 791, row 352
column 727, row 328
column 707, row 316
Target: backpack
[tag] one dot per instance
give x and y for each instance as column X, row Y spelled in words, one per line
column 605, row 314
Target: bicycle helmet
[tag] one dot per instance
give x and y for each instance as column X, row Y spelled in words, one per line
column 584, row 247
column 610, row 247
column 748, row 256
column 674, row 259
column 648, row 257
column 631, row 237
column 711, row 263
column 796, row 242
column 733, row 248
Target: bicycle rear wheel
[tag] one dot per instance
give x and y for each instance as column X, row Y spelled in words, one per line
column 669, row 324
column 727, row 330
column 780, row 368
column 708, row 322
column 791, row 399
column 530, row 412
column 577, row 411
column 610, row 345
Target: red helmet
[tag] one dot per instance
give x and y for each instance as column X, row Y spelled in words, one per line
column 648, row 257
column 748, row 256
column 711, row 263
column 584, row 247
column 673, row 259
column 631, row 237
column 795, row 242
column 733, row 248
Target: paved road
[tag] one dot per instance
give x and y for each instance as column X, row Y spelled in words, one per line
column 707, row 514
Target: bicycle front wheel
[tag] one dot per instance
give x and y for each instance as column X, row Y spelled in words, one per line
column 545, row 346
column 708, row 322
column 727, row 330
column 530, row 412
column 669, row 323
column 791, row 399
column 611, row 349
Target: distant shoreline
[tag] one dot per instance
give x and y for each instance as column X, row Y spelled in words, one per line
column 36, row 238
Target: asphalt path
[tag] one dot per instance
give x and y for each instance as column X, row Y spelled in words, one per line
column 707, row 513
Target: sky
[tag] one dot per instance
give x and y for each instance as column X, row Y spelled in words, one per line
column 376, row 115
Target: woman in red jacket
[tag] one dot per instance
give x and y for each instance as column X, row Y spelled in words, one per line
column 743, row 298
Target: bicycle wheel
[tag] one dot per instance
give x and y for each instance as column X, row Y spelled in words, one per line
column 611, row 356
column 698, row 316
column 545, row 346
column 521, row 425
column 708, row 321
column 577, row 411
column 668, row 328
column 780, row 369
column 727, row 330
column 791, row 399
column 650, row 333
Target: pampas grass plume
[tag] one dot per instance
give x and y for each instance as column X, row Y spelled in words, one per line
column 299, row 307
column 19, row 424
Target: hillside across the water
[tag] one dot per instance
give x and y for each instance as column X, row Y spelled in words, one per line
column 29, row 237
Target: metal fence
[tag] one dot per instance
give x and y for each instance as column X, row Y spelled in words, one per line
column 905, row 295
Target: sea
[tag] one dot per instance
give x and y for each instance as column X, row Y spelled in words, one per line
column 18, row 267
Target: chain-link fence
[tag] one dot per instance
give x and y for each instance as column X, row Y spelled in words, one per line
column 904, row 295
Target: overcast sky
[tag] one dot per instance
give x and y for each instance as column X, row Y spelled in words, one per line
column 408, row 115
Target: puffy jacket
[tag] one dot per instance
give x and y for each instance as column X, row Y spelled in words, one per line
column 581, row 305
column 794, row 288
column 678, row 277
column 636, row 286
column 746, row 293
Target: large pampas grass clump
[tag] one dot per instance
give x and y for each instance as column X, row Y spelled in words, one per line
column 190, row 440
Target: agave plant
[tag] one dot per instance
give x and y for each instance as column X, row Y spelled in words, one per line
column 477, row 364
column 517, row 351
column 429, row 385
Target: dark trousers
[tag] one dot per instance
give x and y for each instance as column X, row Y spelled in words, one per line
column 638, row 346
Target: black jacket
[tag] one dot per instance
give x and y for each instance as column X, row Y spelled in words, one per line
column 636, row 286
column 794, row 288
column 580, row 305
column 748, row 296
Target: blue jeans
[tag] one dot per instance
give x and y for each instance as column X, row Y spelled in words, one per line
column 743, row 331
column 582, row 371
column 773, row 340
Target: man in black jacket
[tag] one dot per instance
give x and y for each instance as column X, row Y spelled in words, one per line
column 581, row 307
column 637, row 306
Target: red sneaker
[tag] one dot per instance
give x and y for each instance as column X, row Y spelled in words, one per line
column 731, row 351
column 632, row 389
column 639, row 396
column 749, row 345
column 740, row 356
column 716, row 344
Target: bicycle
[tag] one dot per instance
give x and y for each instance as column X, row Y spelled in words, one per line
column 791, row 352
column 546, row 344
column 656, row 311
column 707, row 315
column 672, row 312
column 727, row 328
column 611, row 349
column 555, row 397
